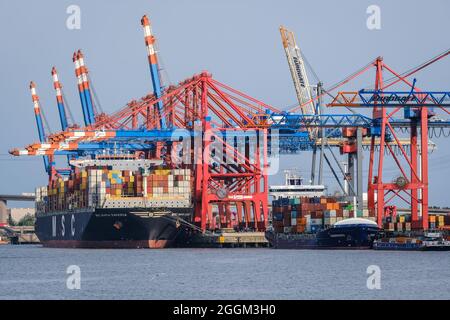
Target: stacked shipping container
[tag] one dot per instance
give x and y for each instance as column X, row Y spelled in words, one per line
column 91, row 187
column 309, row 215
column 404, row 223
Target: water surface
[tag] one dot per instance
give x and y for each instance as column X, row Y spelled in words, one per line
column 34, row 272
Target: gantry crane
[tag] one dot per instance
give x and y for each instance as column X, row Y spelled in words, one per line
column 213, row 112
column 298, row 72
column 409, row 185
column 199, row 107
column 319, row 141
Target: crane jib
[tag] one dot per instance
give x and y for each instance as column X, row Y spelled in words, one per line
column 299, row 71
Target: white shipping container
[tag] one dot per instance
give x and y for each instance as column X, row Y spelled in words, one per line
column 330, row 213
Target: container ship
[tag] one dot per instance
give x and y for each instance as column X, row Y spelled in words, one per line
column 352, row 233
column 303, row 218
column 320, row 223
column 115, row 203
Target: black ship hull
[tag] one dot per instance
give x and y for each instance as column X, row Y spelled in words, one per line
column 352, row 237
column 113, row 228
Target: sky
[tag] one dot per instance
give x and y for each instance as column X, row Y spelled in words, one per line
column 237, row 41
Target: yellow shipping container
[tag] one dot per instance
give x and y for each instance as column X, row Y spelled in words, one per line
column 162, row 172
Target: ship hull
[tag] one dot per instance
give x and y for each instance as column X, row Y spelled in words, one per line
column 346, row 238
column 112, row 228
column 410, row 247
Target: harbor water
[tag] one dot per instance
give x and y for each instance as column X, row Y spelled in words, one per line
column 34, row 272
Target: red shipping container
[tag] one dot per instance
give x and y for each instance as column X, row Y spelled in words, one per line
column 416, row 225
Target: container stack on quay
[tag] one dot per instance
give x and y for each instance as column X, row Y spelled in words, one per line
column 403, row 223
column 92, row 186
column 309, row 215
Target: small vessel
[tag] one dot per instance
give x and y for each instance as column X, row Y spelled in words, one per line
column 428, row 242
column 352, row 233
column 3, row 240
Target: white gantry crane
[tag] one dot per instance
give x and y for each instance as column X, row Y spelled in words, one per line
column 298, row 72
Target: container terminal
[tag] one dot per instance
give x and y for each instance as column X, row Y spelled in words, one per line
column 187, row 165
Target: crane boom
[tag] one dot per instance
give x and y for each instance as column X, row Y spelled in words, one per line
column 39, row 122
column 59, row 100
column 298, row 71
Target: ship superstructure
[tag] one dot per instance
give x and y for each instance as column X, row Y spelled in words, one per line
column 294, row 187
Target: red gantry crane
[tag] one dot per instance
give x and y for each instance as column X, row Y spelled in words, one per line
column 223, row 132
column 410, row 185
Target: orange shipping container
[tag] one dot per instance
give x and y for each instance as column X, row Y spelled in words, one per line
column 298, row 229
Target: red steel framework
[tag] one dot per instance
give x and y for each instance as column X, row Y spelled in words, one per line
column 212, row 111
column 407, row 189
column 410, row 181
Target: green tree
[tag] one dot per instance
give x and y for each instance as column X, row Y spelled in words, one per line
column 27, row 220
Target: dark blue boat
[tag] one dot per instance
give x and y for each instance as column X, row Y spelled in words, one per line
column 353, row 233
column 426, row 242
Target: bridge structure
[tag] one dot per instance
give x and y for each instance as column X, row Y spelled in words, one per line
column 4, row 198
